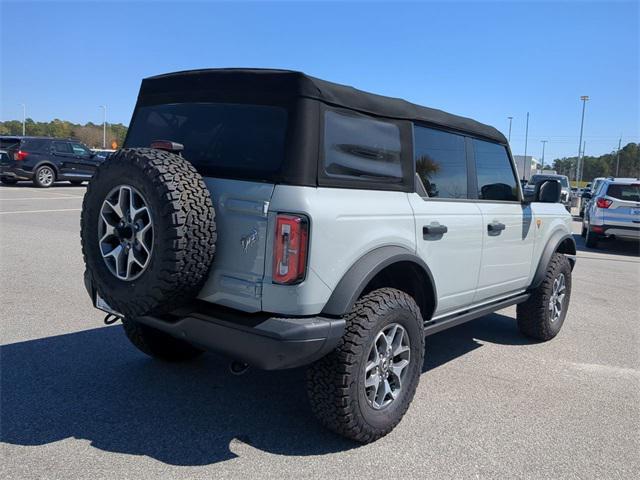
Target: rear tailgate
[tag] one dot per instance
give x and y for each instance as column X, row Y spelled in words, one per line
column 241, row 221
column 624, row 209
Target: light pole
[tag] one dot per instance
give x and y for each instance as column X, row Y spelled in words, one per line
column 24, row 119
column 510, row 121
column 584, row 99
column 618, row 157
column 526, row 138
column 104, row 126
column 543, row 145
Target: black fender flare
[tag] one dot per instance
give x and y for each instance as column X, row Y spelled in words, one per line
column 358, row 276
column 559, row 241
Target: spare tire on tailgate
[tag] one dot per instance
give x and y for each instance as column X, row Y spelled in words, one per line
column 148, row 231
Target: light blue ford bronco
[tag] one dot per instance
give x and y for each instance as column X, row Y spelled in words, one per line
column 283, row 221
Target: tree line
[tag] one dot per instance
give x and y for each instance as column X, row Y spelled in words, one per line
column 604, row 165
column 90, row 134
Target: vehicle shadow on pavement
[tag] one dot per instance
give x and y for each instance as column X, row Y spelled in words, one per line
column 627, row 248
column 458, row 341
column 94, row 385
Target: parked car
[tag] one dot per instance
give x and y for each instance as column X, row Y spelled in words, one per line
column 335, row 221
column 102, row 153
column 45, row 160
column 613, row 212
column 588, row 193
column 565, row 195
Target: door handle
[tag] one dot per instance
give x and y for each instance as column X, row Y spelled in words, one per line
column 496, row 228
column 434, row 229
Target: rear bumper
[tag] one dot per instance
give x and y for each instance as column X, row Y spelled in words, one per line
column 270, row 343
column 618, row 231
column 15, row 173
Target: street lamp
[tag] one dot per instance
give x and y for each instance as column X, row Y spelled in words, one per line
column 104, row 126
column 526, row 139
column 24, row 119
column 510, row 121
column 543, row 145
column 584, row 99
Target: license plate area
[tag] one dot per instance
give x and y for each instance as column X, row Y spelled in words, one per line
column 101, row 304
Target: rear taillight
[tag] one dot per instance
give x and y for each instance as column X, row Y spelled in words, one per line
column 603, row 202
column 20, row 155
column 291, row 241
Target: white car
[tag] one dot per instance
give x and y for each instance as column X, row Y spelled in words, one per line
column 613, row 211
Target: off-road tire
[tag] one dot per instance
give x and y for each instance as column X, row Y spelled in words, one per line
column 76, row 182
column 533, row 316
column 36, row 177
column 158, row 344
column 334, row 383
column 8, row 181
column 184, row 231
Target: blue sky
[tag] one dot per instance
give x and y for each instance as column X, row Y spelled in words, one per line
column 486, row 60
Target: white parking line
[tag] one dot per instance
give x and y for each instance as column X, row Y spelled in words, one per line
column 36, row 198
column 43, row 211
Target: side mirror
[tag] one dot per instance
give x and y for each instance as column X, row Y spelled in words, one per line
column 586, row 195
column 548, row 191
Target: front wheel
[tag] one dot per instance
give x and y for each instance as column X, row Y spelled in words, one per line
column 8, row 181
column 364, row 387
column 542, row 315
column 44, row 176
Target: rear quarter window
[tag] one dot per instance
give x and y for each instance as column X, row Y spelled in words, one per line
column 361, row 149
column 35, row 145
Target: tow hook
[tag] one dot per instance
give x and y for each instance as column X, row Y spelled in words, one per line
column 110, row 319
column 238, row 368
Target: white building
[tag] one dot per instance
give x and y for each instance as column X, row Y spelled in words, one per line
column 526, row 166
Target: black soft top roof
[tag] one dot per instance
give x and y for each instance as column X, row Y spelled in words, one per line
column 196, row 84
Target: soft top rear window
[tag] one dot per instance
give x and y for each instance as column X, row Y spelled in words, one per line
column 630, row 193
column 220, row 139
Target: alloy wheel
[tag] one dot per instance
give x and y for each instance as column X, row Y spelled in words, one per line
column 45, row 176
column 386, row 366
column 556, row 301
column 125, row 232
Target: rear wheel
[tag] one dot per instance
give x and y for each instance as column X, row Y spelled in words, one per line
column 158, row 344
column 591, row 239
column 44, row 176
column 364, row 387
column 8, row 181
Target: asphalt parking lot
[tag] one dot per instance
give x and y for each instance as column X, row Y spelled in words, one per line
column 77, row 401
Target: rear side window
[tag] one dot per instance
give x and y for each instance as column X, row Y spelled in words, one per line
column 34, row 145
column 441, row 162
column 496, row 179
column 361, row 148
column 62, row 147
column 630, row 193
column 220, row 139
